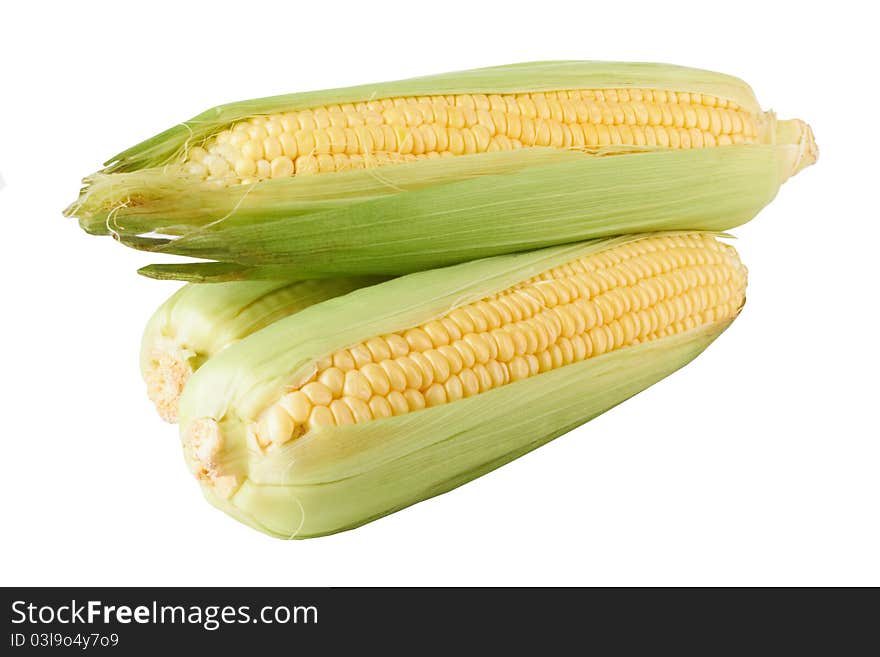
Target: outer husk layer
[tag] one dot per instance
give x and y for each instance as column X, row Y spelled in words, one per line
column 574, row 198
column 333, row 479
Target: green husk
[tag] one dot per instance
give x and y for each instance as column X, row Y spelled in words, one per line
column 214, row 272
column 539, row 206
column 407, row 217
column 199, row 321
column 337, row 478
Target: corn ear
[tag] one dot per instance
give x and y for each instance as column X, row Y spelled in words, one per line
column 199, row 321
column 296, row 431
column 437, row 211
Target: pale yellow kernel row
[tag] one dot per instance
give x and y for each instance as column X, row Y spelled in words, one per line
column 717, row 120
column 529, row 104
column 377, row 133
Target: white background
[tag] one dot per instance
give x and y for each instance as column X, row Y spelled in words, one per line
column 757, row 464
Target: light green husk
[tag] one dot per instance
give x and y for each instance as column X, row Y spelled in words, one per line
column 199, row 321
column 412, row 216
column 332, row 479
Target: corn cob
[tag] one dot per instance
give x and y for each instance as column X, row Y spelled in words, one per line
column 473, row 158
column 199, row 321
column 365, row 404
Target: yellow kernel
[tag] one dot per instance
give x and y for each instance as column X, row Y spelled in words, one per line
column 341, row 413
column 305, row 142
column 435, row 395
column 361, row 355
column 454, row 389
column 533, row 364
column 429, row 137
column 414, row 399
column 579, row 347
column 465, row 353
column 726, row 122
column 425, row 368
column 275, row 426
column 418, row 340
column 481, row 345
column 352, row 145
column 482, row 137
column 405, row 141
column 456, row 141
column 470, row 142
column 357, row 385
column 715, row 123
column 498, row 372
column 334, row 379
column 396, row 344
column 397, row 379
column 389, row 137
column 321, row 416
column 567, row 350
column 591, row 135
column 378, row 348
column 297, row 406
column 196, row 154
column 322, row 142
column 322, row 118
column 545, row 361
column 380, row 407
column 360, row 411
column 599, row 340
column 335, row 137
column 282, row 167
column 412, row 371
column 505, row 344
column 318, row 393
column 477, row 317
column 198, row 169
column 252, row 150
column 518, row 368
column 398, row 402
column 451, row 329
column 469, row 382
column 394, row 117
column 418, row 143
column 452, row 357
column 264, row 169
column 244, row 167
column 306, row 164
column 217, row 166
column 343, row 360
column 256, row 130
column 378, row 380
column 677, row 115
column 489, row 313
column 437, row 333
column 483, row 376
column 288, row 144
column 271, row 148
column 439, row 364
column 520, row 341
